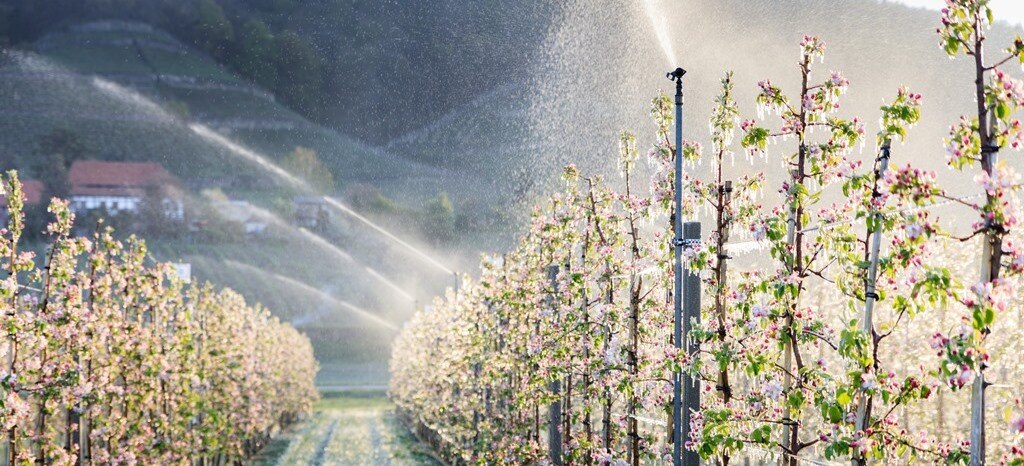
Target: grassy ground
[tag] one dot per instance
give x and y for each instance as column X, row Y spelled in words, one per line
column 348, row 429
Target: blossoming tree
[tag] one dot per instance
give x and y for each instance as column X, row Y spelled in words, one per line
column 827, row 350
column 113, row 361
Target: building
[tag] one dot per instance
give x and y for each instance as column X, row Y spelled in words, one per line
column 243, row 213
column 311, row 212
column 116, row 187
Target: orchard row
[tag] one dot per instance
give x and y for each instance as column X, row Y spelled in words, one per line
column 867, row 331
column 108, row 358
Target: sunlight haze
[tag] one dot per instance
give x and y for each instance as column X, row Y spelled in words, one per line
column 1006, row 10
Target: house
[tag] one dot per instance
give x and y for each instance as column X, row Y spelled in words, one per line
column 116, row 187
column 241, row 212
column 311, row 212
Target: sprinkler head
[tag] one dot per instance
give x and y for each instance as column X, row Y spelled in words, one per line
column 675, row 74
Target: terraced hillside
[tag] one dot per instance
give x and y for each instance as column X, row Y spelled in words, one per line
column 189, row 86
column 127, row 91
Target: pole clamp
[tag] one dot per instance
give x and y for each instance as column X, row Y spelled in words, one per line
column 680, row 242
column 871, row 294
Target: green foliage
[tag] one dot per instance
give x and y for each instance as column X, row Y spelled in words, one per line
column 299, row 73
column 438, row 219
column 212, row 30
column 256, row 53
column 58, row 149
column 304, row 163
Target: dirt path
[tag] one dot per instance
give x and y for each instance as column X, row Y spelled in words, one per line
column 353, row 431
column 321, row 451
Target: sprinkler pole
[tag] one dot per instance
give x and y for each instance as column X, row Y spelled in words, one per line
column 677, row 243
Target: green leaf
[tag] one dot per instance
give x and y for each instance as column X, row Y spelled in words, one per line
column 1002, row 111
column 843, row 398
column 796, row 399
column 835, row 414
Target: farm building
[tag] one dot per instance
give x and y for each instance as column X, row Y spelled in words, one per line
column 123, row 186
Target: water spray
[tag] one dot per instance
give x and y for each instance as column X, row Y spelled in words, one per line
column 416, row 251
column 389, row 284
column 362, row 313
column 660, row 30
column 283, row 174
column 324, row 244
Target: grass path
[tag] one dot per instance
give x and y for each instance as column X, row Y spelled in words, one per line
column 350, row 429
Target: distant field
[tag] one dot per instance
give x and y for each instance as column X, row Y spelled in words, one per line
column 369, row 375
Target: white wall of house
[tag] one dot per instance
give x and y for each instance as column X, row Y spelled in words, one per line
column 112, row 204
column 173, row 208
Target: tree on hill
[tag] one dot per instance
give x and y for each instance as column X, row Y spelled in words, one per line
column 299, row 73
column 304, row 163
column 58, row 150
column 212, row 30
column 438, row 219
column 256, row 56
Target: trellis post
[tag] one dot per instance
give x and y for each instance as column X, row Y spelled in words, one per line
column 870, row 294
column 691, row 315
column 555, row 387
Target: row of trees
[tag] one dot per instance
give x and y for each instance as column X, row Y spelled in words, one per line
column 863, row 334
column 108, row 359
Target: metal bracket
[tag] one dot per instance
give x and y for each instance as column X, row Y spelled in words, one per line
column 685, row 242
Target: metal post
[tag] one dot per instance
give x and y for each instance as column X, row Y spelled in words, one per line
column 990, row 256
column 555, row 408
column 476, row 390
column 870, row 296
column 677, row 243
column 691, row 315
column 867, row 326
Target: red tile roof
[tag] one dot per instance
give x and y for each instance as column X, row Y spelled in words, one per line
column 33, row 190
column 98, row 178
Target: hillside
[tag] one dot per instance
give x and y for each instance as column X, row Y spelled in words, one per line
column 198, row 89
column 334, row 61
column 127, row 91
